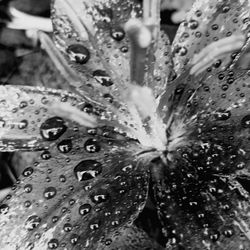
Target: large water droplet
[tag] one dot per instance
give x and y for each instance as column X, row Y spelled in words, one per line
column 49, row 193
column 53, row 128
column 65, row 146
column 79, row 53
column 84, row 209
column 102, row 77
column 92, row 146
column 87, row 169
column 32, row 222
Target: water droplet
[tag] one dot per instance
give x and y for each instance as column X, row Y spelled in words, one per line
column 94, row 226
column 2, row 123
column 53, row 244
column 28, row 188
column 88, row 108
column 115, row 223
column 84, row 209
column 102, row 77
column 92, row 146
column 55, row 219
column 28, row 171
column 215, row 26
column 27, row 203
column 62, row 178
column 87, row 169
column 4, row 209
column 99, row 196
column 228, row 232
column 65, row 146
column 108, row 97
column 117, row 33
column 92, row 131
column 49, row 193
column 193, row 24
column 225, row 9
column 245, row 122
column 67, row 227
column 23, row 124
column 127, row 168
column 45, row 155
column 32, row 222
column 53, row 128
column 79, row 53
column 214, row 235
column 124, row 49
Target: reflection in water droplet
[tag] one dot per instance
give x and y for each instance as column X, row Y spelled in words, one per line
column 45, row 155
column 49, row 193
column 102, row 77
column 65, row 146
column 28, row 171
column 53, row 244
column 99, row 196
column 74, row 239
column 4, row 209
column 32, row 222
column 67, row 227
column 94, row 226
column 92, row 146
column 23, row 124
column 214, row 235
column 28, row 188
column 87, row 169
column 228, row 232
column 117, row 33
column 222, row 114
column 245, row 122
column 62, row 178
column 52, row 128
column 84, row 209
column 78, row 53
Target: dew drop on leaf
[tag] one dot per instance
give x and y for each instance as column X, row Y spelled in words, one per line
column 84, row 209
column 49, row 193
column 79, row 53
column 53, row 128
column 32, row 222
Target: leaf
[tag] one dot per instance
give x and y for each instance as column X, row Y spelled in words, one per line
column 130, row 237
column 28, row 121
column 80, row 191
column 206, row 22
column 97, row 27
column 199, row 210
